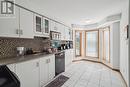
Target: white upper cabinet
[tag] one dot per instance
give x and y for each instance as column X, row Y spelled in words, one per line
column 54, row 26
column 62, row 31
column 19, row 25
column 28, row 73
column 70, row 34
column 58, row 26
column 41, row 26
column 10, row 25
column 46, row 27
column 38, row 25
column 26, row 24
column 67, row 35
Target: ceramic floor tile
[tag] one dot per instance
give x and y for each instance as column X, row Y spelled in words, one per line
column 89, row 74
column 92, row 85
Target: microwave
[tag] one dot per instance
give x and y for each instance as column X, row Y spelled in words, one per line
column 55, row 35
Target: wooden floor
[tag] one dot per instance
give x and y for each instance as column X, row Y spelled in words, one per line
column 90, row 74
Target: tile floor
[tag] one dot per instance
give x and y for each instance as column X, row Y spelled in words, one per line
column 89, row 74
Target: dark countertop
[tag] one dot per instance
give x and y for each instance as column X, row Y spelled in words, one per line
column 19, row 59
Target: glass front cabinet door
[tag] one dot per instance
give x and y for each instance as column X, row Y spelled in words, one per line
column 38, row 24
column 46, row 28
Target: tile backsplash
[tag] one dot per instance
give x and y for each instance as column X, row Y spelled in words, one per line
column 8, row 45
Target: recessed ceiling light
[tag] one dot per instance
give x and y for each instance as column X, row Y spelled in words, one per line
column 88, row 21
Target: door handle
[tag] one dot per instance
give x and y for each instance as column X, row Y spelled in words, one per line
column 49, row 60
column 21, row 32
column 46, row 60
column 37, row 64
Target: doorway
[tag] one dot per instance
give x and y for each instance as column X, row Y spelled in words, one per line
column 105, row 45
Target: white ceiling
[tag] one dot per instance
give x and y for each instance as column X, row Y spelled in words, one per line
column 78, row 11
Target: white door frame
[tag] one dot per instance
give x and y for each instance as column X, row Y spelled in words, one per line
column 129, row 48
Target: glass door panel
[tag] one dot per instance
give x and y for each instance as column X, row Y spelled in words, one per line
column 78, row 43
column 92, row 43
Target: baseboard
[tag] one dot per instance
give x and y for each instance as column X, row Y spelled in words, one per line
column 123, row 79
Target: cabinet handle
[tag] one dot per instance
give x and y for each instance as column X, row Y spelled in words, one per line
column 49, row 60
column 17, row 31
column 21, row 32
column 46, row 60
column 55, row 28
column 37, row 64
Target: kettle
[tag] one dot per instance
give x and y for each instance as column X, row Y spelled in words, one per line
column 20, row 51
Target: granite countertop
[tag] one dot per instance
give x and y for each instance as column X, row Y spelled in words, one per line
column 18, row 59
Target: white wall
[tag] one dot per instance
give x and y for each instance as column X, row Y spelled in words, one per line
column 36, row 8
column 124, row 43
column 115, row 45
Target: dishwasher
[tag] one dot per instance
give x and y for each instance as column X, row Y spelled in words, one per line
column 59, row 62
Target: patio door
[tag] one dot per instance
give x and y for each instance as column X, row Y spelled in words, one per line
column 92, row 44
column 78, row 43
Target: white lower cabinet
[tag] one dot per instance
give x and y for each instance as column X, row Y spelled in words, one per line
column 47, row 69
column 43, row 71
column 51, row 67
column 69, row 54
column 28, row 73
column 35, row 73
column 11, row 67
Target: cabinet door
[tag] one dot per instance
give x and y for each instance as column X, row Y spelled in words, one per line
column 62, row 32
column 46, row 27
column 38, row 25
column 28, row 73
column 26, row 24
column 43, row 71
column 58, row 27
column 10, row 25
column 11, row 67
column 66, row 33
column 51, row 67
column 67, row 57
column 71, row 34
column 53, row 26
column 72, row 55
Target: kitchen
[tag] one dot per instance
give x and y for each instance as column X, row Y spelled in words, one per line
column 28, row 46
column 39, row 50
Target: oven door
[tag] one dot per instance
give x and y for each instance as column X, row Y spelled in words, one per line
column 8, row 78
